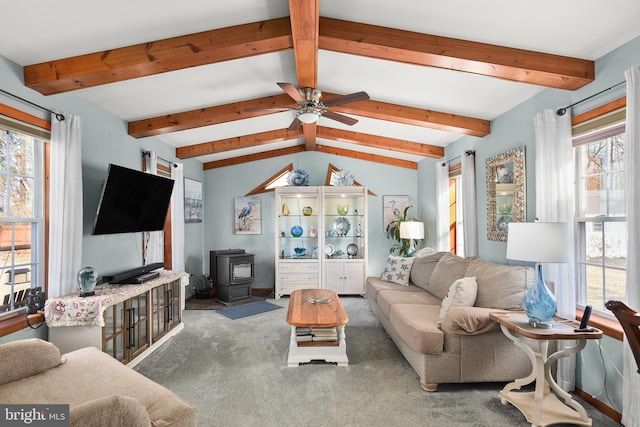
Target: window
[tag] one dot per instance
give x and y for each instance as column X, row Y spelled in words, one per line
column 456, row 229
column 21, row 217
column 601, row 224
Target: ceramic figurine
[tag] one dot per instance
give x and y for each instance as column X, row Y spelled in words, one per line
column 285, row 209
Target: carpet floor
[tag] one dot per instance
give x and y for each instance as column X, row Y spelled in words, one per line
column 235, row 373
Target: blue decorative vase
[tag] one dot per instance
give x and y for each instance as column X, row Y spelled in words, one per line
column 296, row 231
column 539, row 302
column 87, row 279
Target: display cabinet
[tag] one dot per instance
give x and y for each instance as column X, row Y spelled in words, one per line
column 321, row 235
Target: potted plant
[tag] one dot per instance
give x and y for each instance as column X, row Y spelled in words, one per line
column 393, row 232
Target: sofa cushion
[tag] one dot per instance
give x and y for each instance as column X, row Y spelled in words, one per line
column 500, row 286
column 449, row 269
column 114, row 411
column 416, row 324
column 386, row 299
column 424, row 252
column 397, row 270
column 422, row 268
column 461, row 294
column 375, row 285
column 24, row 358
column 468, row 321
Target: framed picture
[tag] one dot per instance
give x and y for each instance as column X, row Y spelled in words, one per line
column 393, row 209
column 247, row 215
column 506, row 192
column 192, row 200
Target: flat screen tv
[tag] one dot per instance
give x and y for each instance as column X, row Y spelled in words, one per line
column 132, row 201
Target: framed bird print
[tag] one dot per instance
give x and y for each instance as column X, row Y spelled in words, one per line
column 247, row 215
column 192, row 201
column 392, row 209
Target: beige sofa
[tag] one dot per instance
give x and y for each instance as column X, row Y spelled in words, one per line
column 99, row 390
column 466, row 346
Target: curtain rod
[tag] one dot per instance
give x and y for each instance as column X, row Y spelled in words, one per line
column 468, row 153
column 562, row 111
column 148, row 154
column 59, row 116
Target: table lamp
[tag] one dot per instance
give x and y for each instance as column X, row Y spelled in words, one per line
column 411, row 230
column 538, row 242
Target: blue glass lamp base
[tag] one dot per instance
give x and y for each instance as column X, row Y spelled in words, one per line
column 539, row 303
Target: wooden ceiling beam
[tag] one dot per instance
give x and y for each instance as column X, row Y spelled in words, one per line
column 368, row 157
column 207, row 116
column 305, row 16
column 145, row 59
column 253, row 157
column 454, row 54
column 236, row 143
column 380, row 142
column 414, row 116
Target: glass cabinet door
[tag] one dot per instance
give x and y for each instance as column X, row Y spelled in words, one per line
column 344, row 222
column 114, row 331
column 297, row 225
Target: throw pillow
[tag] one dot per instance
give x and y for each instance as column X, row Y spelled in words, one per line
column 397, row 270
column 462, row 293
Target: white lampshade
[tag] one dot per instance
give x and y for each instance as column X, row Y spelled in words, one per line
column 308, row 117
column 538, row 241
column 411, row 230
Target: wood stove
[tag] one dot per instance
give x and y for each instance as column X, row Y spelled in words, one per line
column 232, row 272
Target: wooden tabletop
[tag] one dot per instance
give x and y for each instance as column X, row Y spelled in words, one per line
column 562, row 329
column 304, row 313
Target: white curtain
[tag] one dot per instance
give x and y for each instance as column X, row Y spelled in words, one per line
column 442, row 197
column 177, row 217
column 469, row 206
column 555, row 197
column 631, row 386
column 65, row 205
column 154, row 240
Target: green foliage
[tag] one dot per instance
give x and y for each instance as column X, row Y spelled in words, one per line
column 393, row 232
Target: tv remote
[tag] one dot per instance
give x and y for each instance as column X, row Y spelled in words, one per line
column 585, row 320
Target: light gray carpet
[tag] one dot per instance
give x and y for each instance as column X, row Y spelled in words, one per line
column 235, row 373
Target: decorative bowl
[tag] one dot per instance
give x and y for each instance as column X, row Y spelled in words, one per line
column 306, row 211
column 300, row 251
column 505, row 208
column 342, row 209
column 296, row 231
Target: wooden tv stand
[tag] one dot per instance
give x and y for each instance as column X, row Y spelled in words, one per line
column 127, row 321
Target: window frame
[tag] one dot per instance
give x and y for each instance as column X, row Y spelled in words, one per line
column 608, row 324
column 17, row 320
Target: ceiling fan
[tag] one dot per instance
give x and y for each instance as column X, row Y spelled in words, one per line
column 311, row 108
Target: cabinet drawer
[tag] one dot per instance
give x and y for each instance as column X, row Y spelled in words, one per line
column 298, row 277
column 296, row 267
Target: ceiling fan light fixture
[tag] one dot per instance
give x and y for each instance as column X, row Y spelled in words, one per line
column 309, row 116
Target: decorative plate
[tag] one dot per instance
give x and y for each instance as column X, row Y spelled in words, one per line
column 298, row 177
column 342, row 226
column 352, row 249
column 329, row 249
column 296, row 231
column 503, row 223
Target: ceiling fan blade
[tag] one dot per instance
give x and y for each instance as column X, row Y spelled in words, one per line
column 295, row 124
column 339, row 118
column 344, row 99
column 292, row 91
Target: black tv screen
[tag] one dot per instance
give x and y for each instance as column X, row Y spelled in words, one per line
column 132, row 201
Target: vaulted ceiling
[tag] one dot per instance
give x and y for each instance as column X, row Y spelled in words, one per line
column 187, row 73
